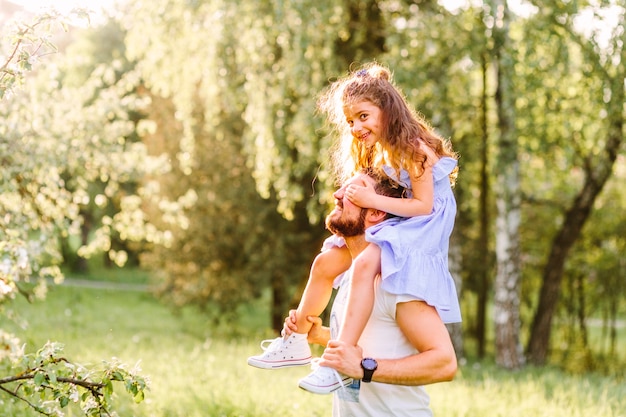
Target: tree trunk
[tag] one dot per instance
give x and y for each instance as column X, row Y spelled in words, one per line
column 598, row 169
column 81, row 265
column 280, row 301
column 575, row 219
column 581, row 309
column 509, row 353
column 485, row 261
column 456, row 329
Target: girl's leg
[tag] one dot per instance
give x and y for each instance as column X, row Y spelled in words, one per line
column 361, row 295
column 324, row 380
column 326, row 267
column 294, row 350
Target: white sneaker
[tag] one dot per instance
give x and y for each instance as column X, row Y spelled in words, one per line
column 324, row 380
column 281, row 353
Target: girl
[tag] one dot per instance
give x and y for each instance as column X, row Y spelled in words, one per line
column 378, row 129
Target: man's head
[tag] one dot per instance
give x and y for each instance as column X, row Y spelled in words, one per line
column 349, row 220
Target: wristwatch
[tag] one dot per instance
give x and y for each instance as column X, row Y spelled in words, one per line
column 369, row 365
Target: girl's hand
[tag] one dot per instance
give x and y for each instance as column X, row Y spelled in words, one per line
column 363, row 196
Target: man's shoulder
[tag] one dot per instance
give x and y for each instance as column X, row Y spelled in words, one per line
column 393, row 298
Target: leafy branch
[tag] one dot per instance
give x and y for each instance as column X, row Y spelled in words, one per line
column 47, row 382
column 29, row 42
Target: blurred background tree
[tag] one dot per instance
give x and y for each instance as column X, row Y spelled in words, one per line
column 235, row 180
column 66, row 152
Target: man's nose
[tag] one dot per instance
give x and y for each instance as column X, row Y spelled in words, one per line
column 338, row 195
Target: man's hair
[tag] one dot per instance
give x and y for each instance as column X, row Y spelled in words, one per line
column 384, row 185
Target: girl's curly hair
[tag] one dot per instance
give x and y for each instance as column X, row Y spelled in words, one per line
column 404, row 131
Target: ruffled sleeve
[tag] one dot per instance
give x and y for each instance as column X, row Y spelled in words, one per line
column 334, row 241
column 405, row 178
column 443, row 168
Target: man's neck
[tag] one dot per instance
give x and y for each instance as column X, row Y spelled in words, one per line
column 356, row 245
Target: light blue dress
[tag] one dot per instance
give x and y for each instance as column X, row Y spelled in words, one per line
column 414, row 250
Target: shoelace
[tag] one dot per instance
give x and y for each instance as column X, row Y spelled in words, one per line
column 315, row 364
column 274, row 344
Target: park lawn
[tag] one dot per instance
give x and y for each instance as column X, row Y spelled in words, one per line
column 195, row 370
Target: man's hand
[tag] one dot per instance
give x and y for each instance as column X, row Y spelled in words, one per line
column 343, row 357
column 289, row 326
column 318, row 334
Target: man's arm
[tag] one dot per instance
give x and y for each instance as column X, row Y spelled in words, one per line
column 435, row 362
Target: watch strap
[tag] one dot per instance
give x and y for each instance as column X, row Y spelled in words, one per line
column 369, row 365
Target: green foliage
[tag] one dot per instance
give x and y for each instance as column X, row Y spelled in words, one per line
column 246, row 151
column 268, row 70
column 222, row 95
column 54, row 144
column 48, row 382
column 234, row 257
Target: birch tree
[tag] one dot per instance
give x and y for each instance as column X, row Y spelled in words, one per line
column 507, row 283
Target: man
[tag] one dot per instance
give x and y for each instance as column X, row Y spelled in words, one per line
column 404, row 346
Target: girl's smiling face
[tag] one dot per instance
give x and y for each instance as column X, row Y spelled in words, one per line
column 364, row 119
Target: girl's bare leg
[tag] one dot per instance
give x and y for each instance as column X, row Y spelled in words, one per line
column 324, row 380
column 294, row 349
column 361, row 295
column 326, row 267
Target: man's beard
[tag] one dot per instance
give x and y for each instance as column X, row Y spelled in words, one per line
column 346, row 227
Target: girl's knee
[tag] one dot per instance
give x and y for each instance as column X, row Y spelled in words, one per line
column 332, row 262
column 369, row 259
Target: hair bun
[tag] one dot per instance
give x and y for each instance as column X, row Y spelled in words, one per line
column 373, row 70
column 378, row 71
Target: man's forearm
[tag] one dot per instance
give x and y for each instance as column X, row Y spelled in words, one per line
column 420, row 369
column 319, row 337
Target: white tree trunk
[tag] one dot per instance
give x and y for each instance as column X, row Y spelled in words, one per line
column 509, row 353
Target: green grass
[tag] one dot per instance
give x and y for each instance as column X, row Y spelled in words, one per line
column 195, row 370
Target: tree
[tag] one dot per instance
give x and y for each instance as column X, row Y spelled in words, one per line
column 597, row 153
column 248, row 72
column 507, row 284
column 48, row 159
column 245, row 87
column 92, row 49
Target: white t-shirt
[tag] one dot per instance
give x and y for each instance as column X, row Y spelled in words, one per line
column 381, row 339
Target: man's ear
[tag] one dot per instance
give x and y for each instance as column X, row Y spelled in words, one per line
column 376, row 216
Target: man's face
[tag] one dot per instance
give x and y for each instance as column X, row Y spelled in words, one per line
column 347, row 219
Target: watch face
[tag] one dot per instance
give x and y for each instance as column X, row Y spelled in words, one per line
column 369, row 364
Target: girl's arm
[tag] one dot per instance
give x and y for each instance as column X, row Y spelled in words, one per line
column 421, row 204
